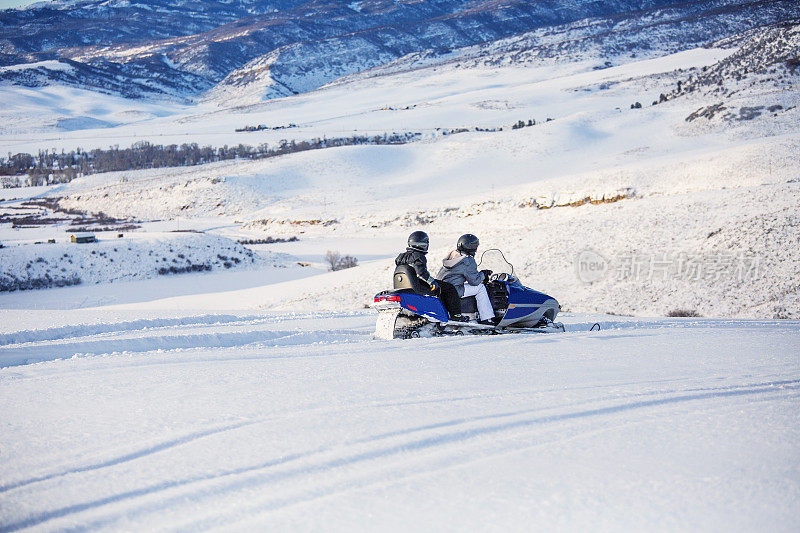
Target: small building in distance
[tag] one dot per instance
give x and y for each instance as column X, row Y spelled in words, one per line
column 82, row 237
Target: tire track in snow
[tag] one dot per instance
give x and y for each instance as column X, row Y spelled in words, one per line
column 254, row 477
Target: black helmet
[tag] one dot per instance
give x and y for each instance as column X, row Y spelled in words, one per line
column 419, row 241
column 468, row 244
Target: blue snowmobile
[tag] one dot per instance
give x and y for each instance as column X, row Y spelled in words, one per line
column 410, row 311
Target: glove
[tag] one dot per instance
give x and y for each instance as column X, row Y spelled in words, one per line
column 435, row 289
column 486, row 273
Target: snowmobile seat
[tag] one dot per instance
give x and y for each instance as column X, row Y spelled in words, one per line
column 469, row 305
column 405, row 278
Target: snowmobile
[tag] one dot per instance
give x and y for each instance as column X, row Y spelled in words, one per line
column 410, row 310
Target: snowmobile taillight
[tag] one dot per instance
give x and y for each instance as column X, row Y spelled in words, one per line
column 388, row 298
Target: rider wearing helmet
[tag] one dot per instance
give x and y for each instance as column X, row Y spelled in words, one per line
column 414, row 256
column 460, row 270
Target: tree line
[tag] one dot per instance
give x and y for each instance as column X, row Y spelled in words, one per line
column 49, row 166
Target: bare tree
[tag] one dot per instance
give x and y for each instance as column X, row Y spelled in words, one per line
column 333, row 259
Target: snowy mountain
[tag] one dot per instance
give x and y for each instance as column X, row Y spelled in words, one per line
column 291, row 47
column 765, row 58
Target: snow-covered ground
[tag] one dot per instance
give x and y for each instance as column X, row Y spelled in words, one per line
column 139, row 420
column 57, row 108
column 684, row 230
column 419, row 100
column 28, row 266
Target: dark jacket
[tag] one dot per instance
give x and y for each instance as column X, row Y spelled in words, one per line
column 418, row 262
column 458, row 269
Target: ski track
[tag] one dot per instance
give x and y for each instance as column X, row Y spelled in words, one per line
column 259, row 475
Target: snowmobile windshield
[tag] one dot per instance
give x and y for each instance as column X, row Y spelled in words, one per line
column 494, row 260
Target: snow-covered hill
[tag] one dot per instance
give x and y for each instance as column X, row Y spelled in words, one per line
column 35, row 266
column 696, row 214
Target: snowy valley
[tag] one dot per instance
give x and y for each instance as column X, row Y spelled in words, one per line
column 199, row 367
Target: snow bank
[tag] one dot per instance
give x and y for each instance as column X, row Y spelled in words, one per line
column 34, row 266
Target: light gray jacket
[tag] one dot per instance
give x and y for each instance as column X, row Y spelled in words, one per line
column 458, row 269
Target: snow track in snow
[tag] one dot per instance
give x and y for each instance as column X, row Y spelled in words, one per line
column 217, row 331
column 65, row 332
column 144, row 335
column 29, row 354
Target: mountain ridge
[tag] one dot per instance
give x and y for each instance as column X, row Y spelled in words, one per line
column 253, row 51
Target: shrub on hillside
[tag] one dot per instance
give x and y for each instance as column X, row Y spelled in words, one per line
column 267, row 240
column 338, row 262
column 683, row 313
column 10, row 282
column 163, row 271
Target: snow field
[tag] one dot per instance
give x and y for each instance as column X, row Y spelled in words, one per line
column 713, row 207
column 662, row 424
column 54, row 110
column 376, row 186
column 437, row 97
column 703, row 212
